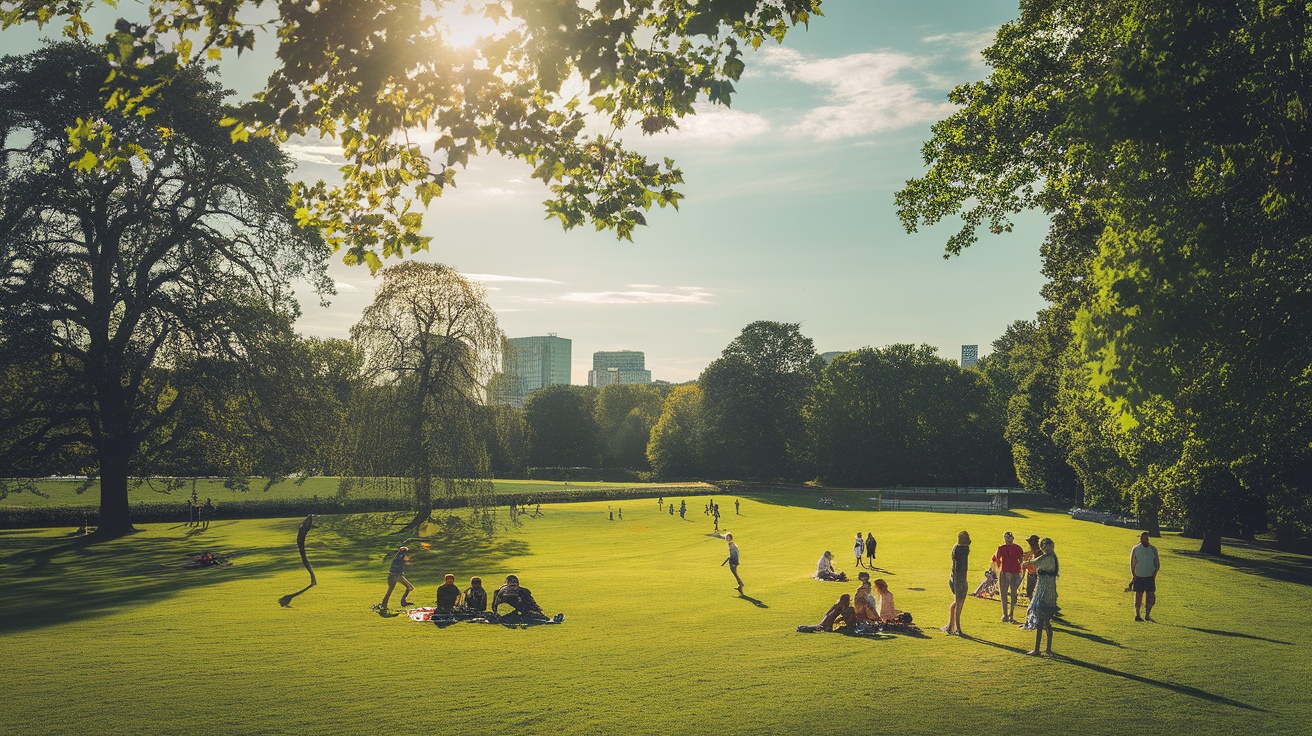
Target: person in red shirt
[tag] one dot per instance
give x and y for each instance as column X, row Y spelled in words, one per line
column 1008, row 557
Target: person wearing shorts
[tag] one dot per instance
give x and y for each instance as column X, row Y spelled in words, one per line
column 732, row 560
column 1144, row 564
column 396, row 574
column 959, row 583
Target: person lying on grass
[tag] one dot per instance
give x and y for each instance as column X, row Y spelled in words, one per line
column 447, row 594
column 521, row 601
column 824, row 569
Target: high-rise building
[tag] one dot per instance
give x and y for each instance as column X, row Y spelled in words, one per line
column 532, row 363
column 618, row 366
column 969, row 355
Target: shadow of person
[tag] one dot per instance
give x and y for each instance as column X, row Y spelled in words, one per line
column 286, row 601
column 754, row 601
column 1236, row 634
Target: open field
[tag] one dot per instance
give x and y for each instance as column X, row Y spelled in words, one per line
column 119, row 638
column 64, row 492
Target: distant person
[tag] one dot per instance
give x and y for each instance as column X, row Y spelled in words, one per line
column 191, row 512
column 1031, row 576
column 447, row 594
column 824, row 569
column 660, row 503
column 683, row 509
column 870, row 550
column 621, row 514
column 208, row 508
column 884, row 601
column 959, row 583
column 1009, row 556
column 859, row 549
column 396, row 574
column 474, row 599
column 671, row 508
column 1043, row 606
column 717, row 523
column 612, row 515
column 735, row 507
column 1144, row 564
column 732, row 560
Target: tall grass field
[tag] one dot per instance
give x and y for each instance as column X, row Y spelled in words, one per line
column 120, row 637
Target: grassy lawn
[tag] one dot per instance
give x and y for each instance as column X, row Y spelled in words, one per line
column 120, row 638
column 64, row 492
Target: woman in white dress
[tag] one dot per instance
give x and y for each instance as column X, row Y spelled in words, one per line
column 859, row 549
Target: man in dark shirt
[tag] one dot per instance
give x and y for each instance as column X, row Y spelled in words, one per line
column 447, row 594
column 475, row 596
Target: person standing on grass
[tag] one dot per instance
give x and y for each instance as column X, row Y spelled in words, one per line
column 671, row 508
column 208, row 510
column 1031, row 576
column 870, row 550
column 660, row 503
column 1043, row 606
column 1008, row 557
column 859, row 549
column 396, row 574
column 959, row 582
column 735, row 507
column 683, row 509
column 1144, row 564
column 732, row 560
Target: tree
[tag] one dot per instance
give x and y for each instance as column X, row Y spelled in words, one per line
column 562, row 427
column 675, row 447
column 373, row 74
column 118, row 278
column 753, row 396
column 1179, row 133
column 430, row 337
column 625, row 415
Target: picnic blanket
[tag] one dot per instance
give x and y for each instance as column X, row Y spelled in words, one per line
column 429, row 614
column 873, row 631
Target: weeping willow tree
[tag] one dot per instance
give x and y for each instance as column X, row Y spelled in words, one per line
column 429, row 344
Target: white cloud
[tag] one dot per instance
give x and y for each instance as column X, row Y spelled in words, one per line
column 489, row 277
column 642, row 286
column 320, row 153
column 636, row 297
column 867, row 93
column 343, row 286
column 970, row 43
column 720, row 125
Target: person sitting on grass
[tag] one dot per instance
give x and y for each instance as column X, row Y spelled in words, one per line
column 863, row 602
column 842, row 609
column 475, row 597
column 884, row 602
column 447, row 594
column 824, row 569
column 525, row 609
column 396, row 574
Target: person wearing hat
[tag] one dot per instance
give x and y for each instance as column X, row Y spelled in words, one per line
column 1031, row 575
column 1009, row 556
column 396, row 574
column 447, row 594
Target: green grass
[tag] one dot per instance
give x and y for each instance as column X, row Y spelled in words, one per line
column 64, row 492
column 119, row 638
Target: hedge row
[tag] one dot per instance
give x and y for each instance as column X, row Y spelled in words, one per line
column 266, row 508
column 586, row 475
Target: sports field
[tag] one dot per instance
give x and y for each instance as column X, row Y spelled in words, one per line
column 120, row 638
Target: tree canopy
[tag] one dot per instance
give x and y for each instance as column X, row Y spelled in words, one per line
column 409, row 99
column 115, row 281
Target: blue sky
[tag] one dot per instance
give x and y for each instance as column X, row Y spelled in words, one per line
column 789, row 213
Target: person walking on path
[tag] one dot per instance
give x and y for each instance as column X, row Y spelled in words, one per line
column 1144, row 564
column 870, row 550
column 959, row 582
column 732, row 560
column 1009, row 556
column 1043, row 606
column 396, row 574
column 859, row 549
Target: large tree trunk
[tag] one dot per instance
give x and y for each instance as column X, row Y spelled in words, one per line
column 1151, row 522
column 115, row 514
column 1211, row 541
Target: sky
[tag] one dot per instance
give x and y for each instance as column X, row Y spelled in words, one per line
column 789, row 213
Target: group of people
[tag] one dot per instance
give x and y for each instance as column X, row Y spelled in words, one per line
column 198, row 514
column 871, row 605
column 470, row 603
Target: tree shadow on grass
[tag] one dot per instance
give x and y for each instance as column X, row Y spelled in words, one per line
column 1102, row 669
column 1286, row 567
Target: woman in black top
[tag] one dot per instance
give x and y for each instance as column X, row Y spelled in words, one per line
column 959, row 583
